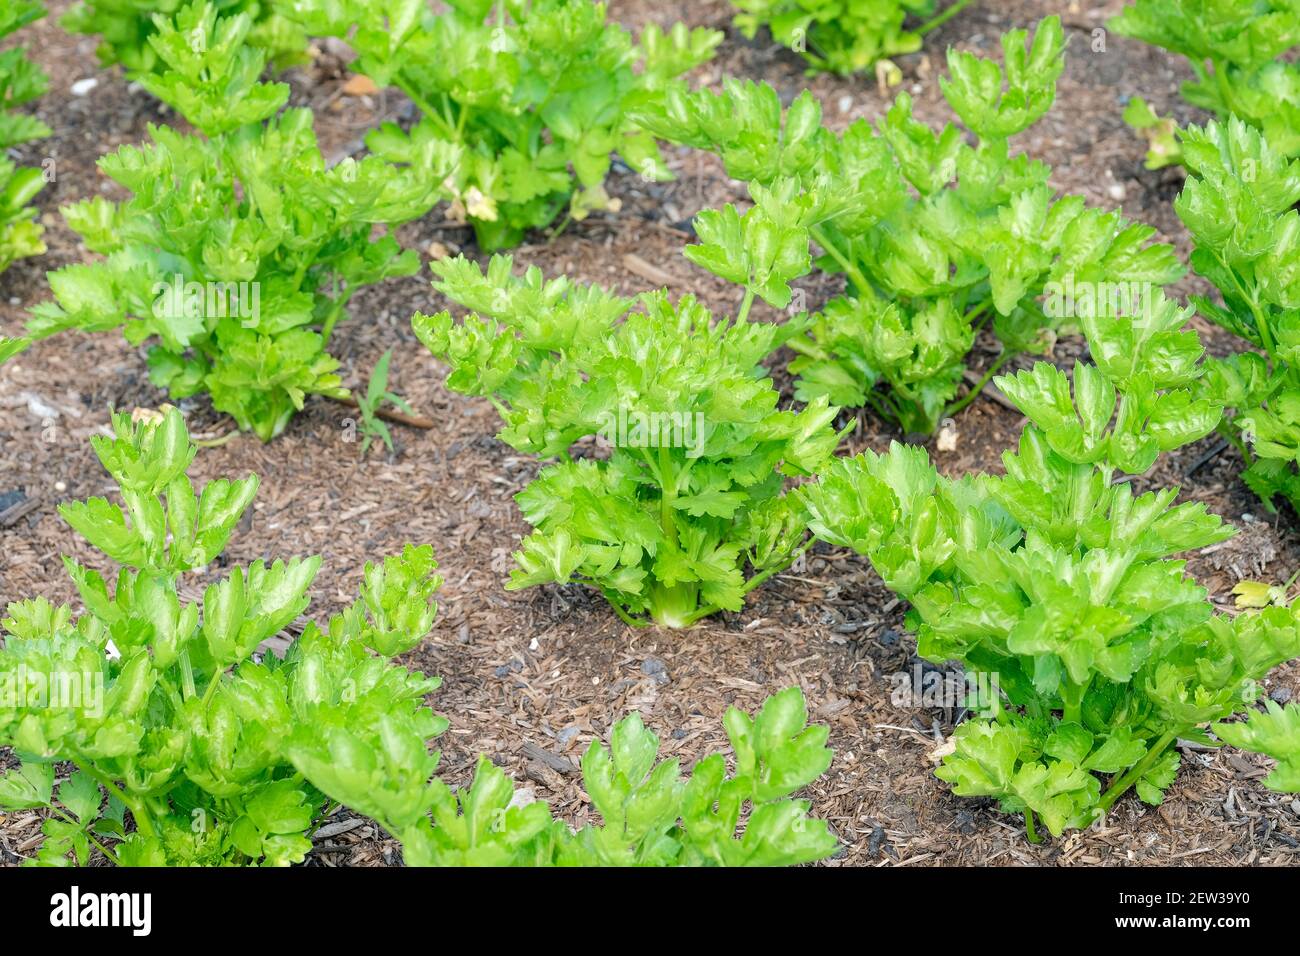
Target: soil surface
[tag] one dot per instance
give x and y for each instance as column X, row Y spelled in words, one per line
column 540, row 672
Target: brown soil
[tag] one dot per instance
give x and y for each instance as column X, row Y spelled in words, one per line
column 553, row 667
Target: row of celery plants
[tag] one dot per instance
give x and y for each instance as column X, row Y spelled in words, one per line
column 158, row 732
column 1056, row 578
column 666, row 529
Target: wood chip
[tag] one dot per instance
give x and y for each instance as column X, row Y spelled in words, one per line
column 334, row 829
column 554, row 761
column 359, row 85
column 652, row 274
column 14, row 513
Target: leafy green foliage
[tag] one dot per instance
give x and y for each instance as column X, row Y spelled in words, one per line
column 1057, row 581
column 239, row 250
column 650, row 815
column 192, row 745
column 533, row 92
column 11, row 347
column 1238, row 206
column 1276, row 733
column 691, row 491
column 21, row 81
column 843, row 36
column 1235, row 49
column 172, row 717
column 126, row 29
column 377, row 395
column 938, row 238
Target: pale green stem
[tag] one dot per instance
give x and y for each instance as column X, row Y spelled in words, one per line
column 942, row 18
column 1135, row 773
column 978, row 387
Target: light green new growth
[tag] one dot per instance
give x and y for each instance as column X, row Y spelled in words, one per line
column 1275, row 733
column 533, row 94
column 21, row 81
column 691, row 493
column 937, row 239
column 1056, row 583
column 845, row 36
column 193, row 744
column 238, row 252
column 1238, row 206
column 650, row 815
column 126, row 29
column 182, row 729
column 1237, row 51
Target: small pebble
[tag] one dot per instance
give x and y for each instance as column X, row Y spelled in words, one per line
column 947, row 440
column 522, row 798
column 60, row 486
column 505, row 670
column 875, row 841
column 82, row 87
column 655, row 668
